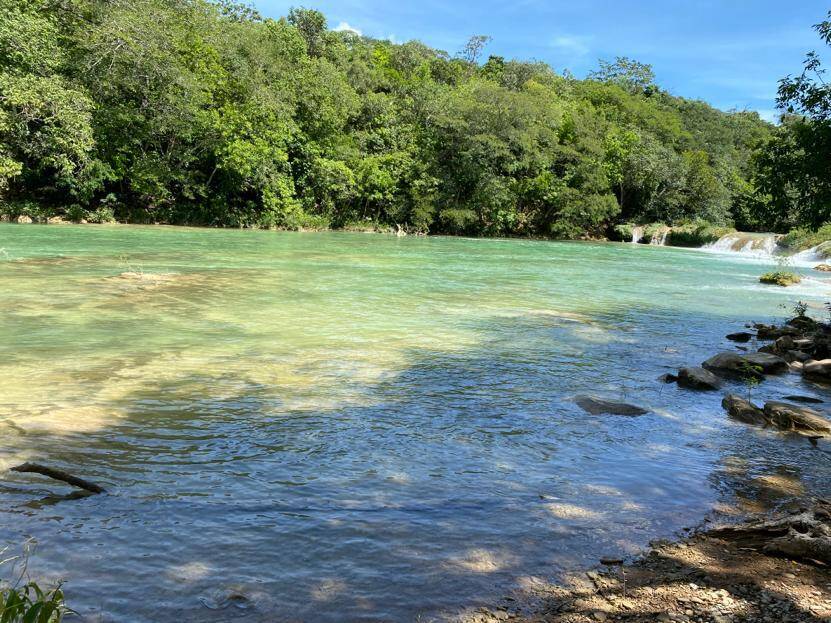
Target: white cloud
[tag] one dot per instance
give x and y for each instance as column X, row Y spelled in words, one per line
column 345, row 27
column 571, row 44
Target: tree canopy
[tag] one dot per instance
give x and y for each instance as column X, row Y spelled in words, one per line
column 190, row 111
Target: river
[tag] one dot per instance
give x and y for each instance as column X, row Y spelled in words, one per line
column 350, row 427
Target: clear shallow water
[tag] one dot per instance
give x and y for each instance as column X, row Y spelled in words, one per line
column 359, row 427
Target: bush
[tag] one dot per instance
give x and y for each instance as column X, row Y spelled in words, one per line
column 76, row 213
column 622, row 232
column 782, row 278
column 803, row 238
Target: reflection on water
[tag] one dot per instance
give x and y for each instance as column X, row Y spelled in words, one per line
column 337, row 427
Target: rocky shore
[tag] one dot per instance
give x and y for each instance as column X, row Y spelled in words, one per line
column 772, row 566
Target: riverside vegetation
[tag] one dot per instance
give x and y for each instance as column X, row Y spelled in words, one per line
column 197, row 112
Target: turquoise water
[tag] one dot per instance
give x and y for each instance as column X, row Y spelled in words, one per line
column 335, row 426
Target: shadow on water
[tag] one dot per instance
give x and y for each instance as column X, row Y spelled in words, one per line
column 464, row 475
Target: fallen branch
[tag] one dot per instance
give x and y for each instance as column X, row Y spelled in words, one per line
column 56, row 474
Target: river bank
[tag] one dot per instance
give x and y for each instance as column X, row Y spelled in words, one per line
column 706, row 577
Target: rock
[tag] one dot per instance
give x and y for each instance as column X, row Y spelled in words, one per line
column 783, row 344
column 725, row 362
column 668, row 378
column 771, row 332
column 698, row 378
column 780, row 278
column 796, row 355
column 743, row 410
column 752, row 363
column 819, row 370
column 56, row 220
column 805, row 399
column 599, row 406
column 803, row 343
column 769, row 363
column 825, row 268
column 742, row 336
column 795, row 417
column 23, row 219
column 802, row 322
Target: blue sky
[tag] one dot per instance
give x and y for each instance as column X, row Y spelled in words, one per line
column 728, row 52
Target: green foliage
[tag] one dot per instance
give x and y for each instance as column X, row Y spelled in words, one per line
column 696, row 234
column 30, row 603
column 802, row 238
column 191, row 111
column 782, row 278
column 23, row 600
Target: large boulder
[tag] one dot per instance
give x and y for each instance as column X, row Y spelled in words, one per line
column 823, row 268
column 727, row 361
column 788, row 416
column 803, row 323
column 600, row 406
column 742, row 336
column 742, row 365
column 698, row 378
column 817, row 370
column 743, row 410
column 770, row 364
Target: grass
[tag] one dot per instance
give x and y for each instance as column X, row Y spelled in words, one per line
column 25, row 601
column 782, row 278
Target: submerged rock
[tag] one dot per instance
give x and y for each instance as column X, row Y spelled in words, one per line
column 743, row 410
column 668, row 378
column 600, row 406
column 698, row 378
column 795, row 417
column 741, row 336
column 805, row 399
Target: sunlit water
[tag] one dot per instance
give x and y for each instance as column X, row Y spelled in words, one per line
column 346, row 427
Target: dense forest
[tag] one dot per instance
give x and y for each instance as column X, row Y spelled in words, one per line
column 197, row 112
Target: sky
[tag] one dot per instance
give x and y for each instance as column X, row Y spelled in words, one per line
column 730, row 53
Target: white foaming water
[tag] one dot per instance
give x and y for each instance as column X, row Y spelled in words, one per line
column 755, row 246
column 637, row 234
column 659, row 238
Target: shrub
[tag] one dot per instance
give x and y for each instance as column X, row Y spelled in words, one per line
column 802, row 238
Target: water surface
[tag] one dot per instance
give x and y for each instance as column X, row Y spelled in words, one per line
column 359, row 427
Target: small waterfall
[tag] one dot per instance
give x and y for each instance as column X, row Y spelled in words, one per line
column 752, row 245
column 637, row 234
column 659, row 238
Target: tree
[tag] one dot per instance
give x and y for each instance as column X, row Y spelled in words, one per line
column 629, row 73
column 312, row 27
column 474, row 47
